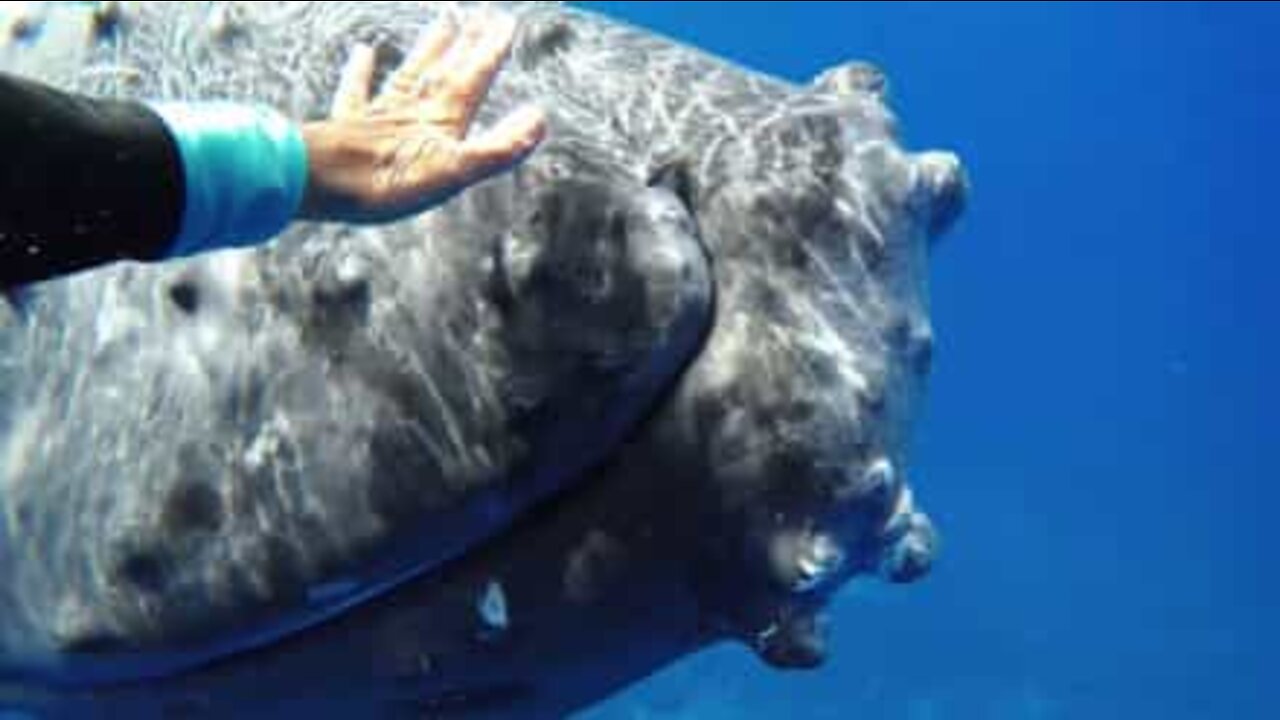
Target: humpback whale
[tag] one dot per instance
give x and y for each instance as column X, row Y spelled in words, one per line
column 651, row 391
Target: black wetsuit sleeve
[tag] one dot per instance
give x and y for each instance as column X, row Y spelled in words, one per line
column 83, row 182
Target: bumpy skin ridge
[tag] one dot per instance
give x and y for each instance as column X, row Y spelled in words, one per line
column 771, row 472
column 204, row 455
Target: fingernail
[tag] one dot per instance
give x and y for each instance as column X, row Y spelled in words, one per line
column 538, row 125
column 531, row 114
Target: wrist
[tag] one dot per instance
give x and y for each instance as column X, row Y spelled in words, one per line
column 338, row 183
column 245, row 170
column 319, row 199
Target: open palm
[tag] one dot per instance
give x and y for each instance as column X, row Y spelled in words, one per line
column 410, row 148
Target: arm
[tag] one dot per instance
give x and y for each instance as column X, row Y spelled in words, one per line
column 83, row 182
column 198, row 177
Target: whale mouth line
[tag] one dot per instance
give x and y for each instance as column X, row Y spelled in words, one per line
column 659, row 398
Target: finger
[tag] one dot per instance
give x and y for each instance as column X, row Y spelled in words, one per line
column 432, row 45
column 472, row 68
column 506, row 144
column 352, row 94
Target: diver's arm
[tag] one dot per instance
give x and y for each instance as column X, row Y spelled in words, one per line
column 83, row 182
column 88, row 181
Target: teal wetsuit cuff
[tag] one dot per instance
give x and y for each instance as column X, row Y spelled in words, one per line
column 245, row 168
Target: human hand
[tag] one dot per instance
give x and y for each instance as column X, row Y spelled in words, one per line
column 407, row 150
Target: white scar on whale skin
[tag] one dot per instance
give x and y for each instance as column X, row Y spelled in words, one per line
column 412, row 378
column 19, row 449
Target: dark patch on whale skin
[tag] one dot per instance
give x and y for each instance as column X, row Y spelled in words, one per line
column 185, row 295
column 771, row 430
column 337, row 307
column 138, row 563
column 542, row 39
column 360, row 406
column 108, row 19
column 400, row 466
column 101, row 644
column 193, row 507
column 142, row 570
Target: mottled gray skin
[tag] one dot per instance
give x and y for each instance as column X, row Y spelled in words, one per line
column 202, row 456
column 768, row 476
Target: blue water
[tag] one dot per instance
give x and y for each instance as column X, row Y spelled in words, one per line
column 1099, row 445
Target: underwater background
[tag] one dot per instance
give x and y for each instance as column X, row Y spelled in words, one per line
column 1098, row 451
